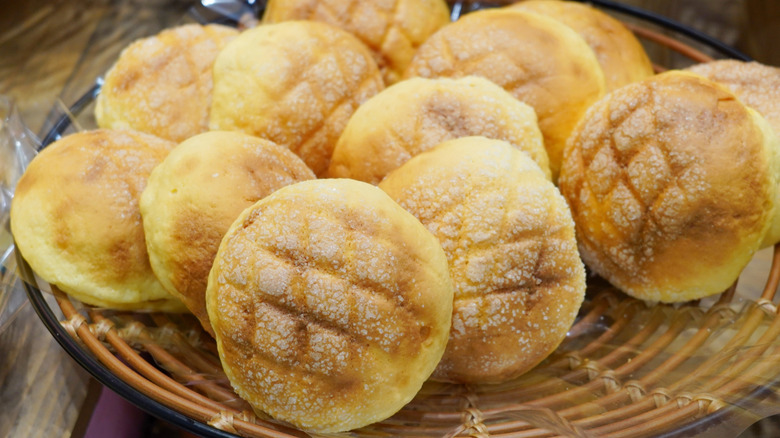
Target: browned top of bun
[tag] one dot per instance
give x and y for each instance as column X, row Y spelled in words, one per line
column 620, row 54
column 75, row 218
column 540, row 61
column 162, row 84
column 391, row 29
column 756, row 84
column 331, row 304
column 670, row 186
column 194, row 196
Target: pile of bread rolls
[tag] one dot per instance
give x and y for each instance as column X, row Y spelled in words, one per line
column 356, row 196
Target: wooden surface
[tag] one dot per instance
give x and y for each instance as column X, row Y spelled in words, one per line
column 53, row 50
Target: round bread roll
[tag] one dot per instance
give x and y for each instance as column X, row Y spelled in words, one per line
column 295, row 83
column 331, row 305
column 76, row 221
column 194, row 196
column 621, row 56
column 758, row 86
column 391, row 29
column 537, row 59
column 162, row 84
column 376, row 141
column 672, row 183
column 509, row 240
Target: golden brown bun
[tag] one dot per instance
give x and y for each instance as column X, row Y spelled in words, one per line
column 417, row 114
column 162, row 84
column 194, row 196
column 671, row 184
column 509, row 240
column 295, row 83
column 621, row 56
column 75, row 218
column 537, row 59
column 331, row 305
column 392, row 30
column 758, row 86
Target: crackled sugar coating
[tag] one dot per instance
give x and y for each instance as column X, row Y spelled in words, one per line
column 76, row 220
column 376, row 141
column 162, row 84
column 538, row 60
column 331, row 305
column 295, row 83
column 509, row 240
column 194, row 196
column 758, row 86
column 392, row 29
column 672, row 183
column 619, row 53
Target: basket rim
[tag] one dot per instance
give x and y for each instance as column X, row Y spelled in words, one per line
column 73, row 343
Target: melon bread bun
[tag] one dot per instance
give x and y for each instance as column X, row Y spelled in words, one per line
column 619, row 53
column 758, row 86
column 509, row 239
column 330, row 303
column 537, row 59
column 75, row 218
column 295, row 83
column 162, row 84
column 672, row 183
column 194, row 196
column 424, row 113
column 391, row 29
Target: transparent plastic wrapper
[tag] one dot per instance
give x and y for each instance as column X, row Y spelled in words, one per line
column 17, row 147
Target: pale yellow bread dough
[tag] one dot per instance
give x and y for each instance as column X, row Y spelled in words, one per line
column 331, row 305
column 295, row 83
column 509, row 239
column 618, row 51
column 391, row 29
column 538, row 60
column 162, row 84
column 672, row 182
column 417, row 114
column 75, row 218
column 194, row 196
column 758, row 86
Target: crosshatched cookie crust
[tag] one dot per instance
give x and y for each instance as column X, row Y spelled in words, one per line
column 331, row 305
column 391, row 29
column 509, row 240
column 758, row 86
column 672, row 183
column 538, row 60
column 76, row 220
column 194, row 196
column 162, row 84
column 377, row 141
column 619, row 53
column 295, row 83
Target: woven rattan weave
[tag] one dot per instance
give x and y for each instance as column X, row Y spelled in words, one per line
column 627, row 369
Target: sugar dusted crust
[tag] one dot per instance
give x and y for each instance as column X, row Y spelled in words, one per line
column 426, row 112
column 670, row 186
column 295, row 83
column 619, row 53
column 162, row 84
column 538, row 60
column 194, row 196
column 330, row 303
column 509, row 240
column 76, row 220
column 391, row 29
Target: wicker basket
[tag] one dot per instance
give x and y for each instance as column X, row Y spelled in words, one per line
column 626, row 369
